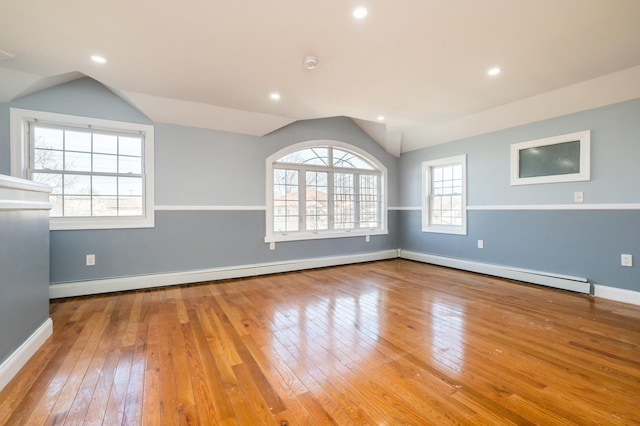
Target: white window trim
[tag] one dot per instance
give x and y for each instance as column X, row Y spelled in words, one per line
column 20, row 154
column 426, row 193
column 270, row 237
column 585, row 159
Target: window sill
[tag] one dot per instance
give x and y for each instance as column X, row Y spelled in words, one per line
column 62, row 224
column 454, row 230
column 299, row 236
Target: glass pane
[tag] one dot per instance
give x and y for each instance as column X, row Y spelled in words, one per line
column 77, row 141
column 56, row 210
column 131, row 145
column 77, row 161
column 128, row 186
column 130, row 165
column 105, row 163
column 105, row 185
column 44, row 159
column 313, row 156
column 105, row 144
column 75, row 205
column 104, row 205
column 47, row 138
column 54, row 181
column 548, row 160
column 447, row 173
column 129, row 206
column 347, row 159
column 437, row 174
column 76, row 185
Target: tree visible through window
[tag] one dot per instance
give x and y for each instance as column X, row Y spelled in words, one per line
column 322, row 190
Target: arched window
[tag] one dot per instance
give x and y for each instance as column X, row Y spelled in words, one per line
column 324, row 189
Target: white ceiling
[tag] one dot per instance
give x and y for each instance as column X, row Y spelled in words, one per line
column 420, row 63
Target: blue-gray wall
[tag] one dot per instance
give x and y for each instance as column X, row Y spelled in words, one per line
column 198, row 167
column 213, row 168
column 24, row 272
column 585, row 243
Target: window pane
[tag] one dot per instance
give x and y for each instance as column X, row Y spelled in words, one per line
column 77, row 161
column 104, row 163
column 105, row 144
column 54, row 181
column 129, row 206
column 45, row 159
column 75, row 205
column 128, row 186
column 344, row 201
column 105, row 185
column 104, row 205
column 317, row 156
column 316, row 201
column 76, row 185
column 130, row 165
column 77, row 141
column 56, row 209
column 343, row 158
column 131, row 146
column 47, row 138
column 369, row 201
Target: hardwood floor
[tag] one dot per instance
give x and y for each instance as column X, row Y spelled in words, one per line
column 384, row 343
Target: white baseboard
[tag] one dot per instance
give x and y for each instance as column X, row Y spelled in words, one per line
column 83, row 288
column 617, row 294
column 564, row 282
column 17, row 360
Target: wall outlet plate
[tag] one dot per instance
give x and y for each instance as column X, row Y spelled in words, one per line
column 480, row 243
column 626, row 260
column 91, row 260
column 578, row 196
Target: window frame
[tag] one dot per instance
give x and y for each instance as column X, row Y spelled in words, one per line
column 584, row 139
column 427, row 167
column 21, row 151
column 271, row 164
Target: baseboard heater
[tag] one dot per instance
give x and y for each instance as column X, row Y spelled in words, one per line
column 549, row 279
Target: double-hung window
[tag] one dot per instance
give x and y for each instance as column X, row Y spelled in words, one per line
column 444, row 200
column 324, row 190
column 100, row 171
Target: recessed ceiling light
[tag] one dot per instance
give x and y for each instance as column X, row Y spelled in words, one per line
column 98, row 59
column 360, row 12
column 275, row 96
column 494, row 71
column 381, row 118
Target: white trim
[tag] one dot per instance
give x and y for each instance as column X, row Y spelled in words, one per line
column 81, row 288
column 24, row 205
column 618, row 206
column 565, row 282
column 406, row 208
column 270, row 236
column 584, row 137
column 617, row 294
column 19, row 151
column 209, row 208
column 12, row 182
column 12, row 365
column 426, row 195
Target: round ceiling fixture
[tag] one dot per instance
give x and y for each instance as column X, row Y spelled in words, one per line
column 310, row 63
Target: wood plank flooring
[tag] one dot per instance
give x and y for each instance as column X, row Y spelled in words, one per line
column 385, row 343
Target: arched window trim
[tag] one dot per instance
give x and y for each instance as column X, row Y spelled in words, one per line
column 271, row 237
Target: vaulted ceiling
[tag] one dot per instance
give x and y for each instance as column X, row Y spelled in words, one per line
column 422, row 64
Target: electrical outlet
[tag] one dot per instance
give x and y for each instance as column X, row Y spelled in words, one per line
column 626, row 260
column 480, row 243
column 91, row 259
column 272, row 245
column 367, row 238
column 578, row 197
